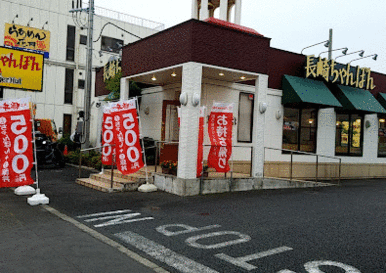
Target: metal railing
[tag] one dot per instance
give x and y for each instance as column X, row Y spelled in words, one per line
column 97, row 148
column 292, row 153
column 116, row 15
column 231, row 161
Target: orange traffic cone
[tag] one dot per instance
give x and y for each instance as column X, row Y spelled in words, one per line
column 65, row 152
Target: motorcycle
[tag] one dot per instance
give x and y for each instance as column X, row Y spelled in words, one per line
column 47, row 152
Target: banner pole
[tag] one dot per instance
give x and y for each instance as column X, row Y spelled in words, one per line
column 36, row 159
column 146, row 187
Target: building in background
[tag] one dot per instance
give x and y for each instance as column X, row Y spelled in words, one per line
column 48, row 27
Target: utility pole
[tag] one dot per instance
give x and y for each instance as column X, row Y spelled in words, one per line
column 88, row 83
column 330, row 45
column 85, row 139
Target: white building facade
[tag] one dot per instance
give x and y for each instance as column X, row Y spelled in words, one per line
column 62, row 96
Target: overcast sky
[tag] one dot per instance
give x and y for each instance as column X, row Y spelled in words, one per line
column 291, row 24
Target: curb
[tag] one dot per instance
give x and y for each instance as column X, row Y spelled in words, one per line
column 107, row 240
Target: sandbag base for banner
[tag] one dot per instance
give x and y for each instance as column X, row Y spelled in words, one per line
column 147, row 188
column 38, row 199
column 24, row 190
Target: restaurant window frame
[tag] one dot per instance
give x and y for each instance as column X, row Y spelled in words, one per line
column 381, row 136
column 301, row 131
column 347, row 124
column 245, row 117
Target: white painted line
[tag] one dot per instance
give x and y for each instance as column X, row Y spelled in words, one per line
column 110, row 223
column 192, row 241
column 104, row 213
column 106, row 240
column 313, row 267
column 163, row 254
column 129, row 215
column 242, row 261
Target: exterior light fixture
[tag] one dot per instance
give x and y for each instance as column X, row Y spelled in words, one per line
column 153, row 78
column 173, row 74
column 374, row 57
column 361, row 52
column 30, row 20
column 221, row 74
column 382, row 120
column 344, row 51
column 195, row 99
column 327, row 43
column 242, row 77
column 16, row 16
column 184, row 99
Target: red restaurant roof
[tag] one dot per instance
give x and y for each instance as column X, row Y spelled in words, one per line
column 232, row 26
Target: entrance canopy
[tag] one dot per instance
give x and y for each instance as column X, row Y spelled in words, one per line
column 173, row 74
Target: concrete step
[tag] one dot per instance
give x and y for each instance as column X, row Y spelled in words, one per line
column 98, row 185
column 105, row 186
column 139, row 176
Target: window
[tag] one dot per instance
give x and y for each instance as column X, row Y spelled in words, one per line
column 83, row 40
column 299, row 129
column 67, row 122
column 382, row 137
column 348, row 139
column 70, row 51
column 1, row 93
column 245, row 119
column 81, row 84
column 111, row 44
column 69, row 86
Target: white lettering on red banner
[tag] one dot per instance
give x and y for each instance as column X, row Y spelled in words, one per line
column 126, row 137
column 16, row 158
column 107, row 137
column 220, row 135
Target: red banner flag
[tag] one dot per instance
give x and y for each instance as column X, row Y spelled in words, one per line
column 107, row 137
column 200, row 150
column 220, row 135
column 16, row 157
column 126, row 137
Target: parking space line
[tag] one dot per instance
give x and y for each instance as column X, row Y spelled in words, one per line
column 163, row 254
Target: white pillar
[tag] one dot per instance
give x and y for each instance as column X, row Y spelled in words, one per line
column 261, row 87
column 194, row 9
column 124, row 89
column 224, row 10
column 325, row 138
column 204, row 11
column 187, row 148
column 370, row 138
column 238, row 12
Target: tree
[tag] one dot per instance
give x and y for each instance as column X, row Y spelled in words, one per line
column 114, row 86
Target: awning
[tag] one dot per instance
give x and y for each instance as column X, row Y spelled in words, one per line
column 297, row 91
column 382, row 99
column 358, row 99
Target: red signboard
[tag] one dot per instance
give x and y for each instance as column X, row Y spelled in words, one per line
column 107, row 137
column 220, row 135
column 200, row 149
column 16, row 157
column 127, row 137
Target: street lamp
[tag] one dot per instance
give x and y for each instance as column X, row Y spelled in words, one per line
column 361, row 52
column 327, row 43
column 375, row 56
column 344, row 51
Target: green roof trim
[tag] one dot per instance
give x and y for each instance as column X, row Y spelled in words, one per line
column 358, row 99
column 298, row 90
